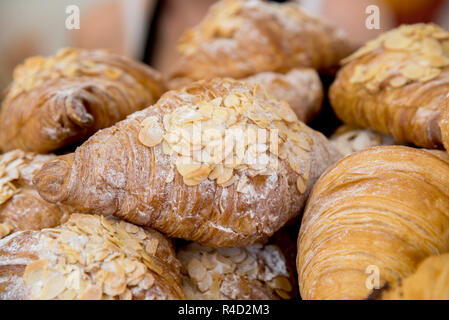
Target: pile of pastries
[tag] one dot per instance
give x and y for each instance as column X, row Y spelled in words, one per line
column 118, row 182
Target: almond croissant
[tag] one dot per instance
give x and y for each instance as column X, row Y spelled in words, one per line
column 21, row 207
column 396, row 84
column 218, row 162
column 378, row 212
column 240, row 38
column 89, row 258
column 63, row 99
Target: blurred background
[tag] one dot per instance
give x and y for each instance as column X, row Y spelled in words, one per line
column 147, row 30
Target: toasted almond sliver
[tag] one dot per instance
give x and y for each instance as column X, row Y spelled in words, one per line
column 196, row 270
column 301, row 185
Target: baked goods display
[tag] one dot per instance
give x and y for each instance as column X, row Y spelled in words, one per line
column 256, row 272
column 430, row 281
column 397, row 84
column 349, row 139
column 63, row 99
column 21, row 207
column 114, row 187
column 240, row 38
column 218, row 162
column 380, row 208
column 89, row 258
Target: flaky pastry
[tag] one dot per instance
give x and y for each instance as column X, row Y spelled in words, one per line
column 375, row 215
column 89, row 258
column 349, row 139
column 21, row 207
column 396, row 84
column 429, row 282
column 63, row 99
column 256, row 272
column 301, row 88
column 240, row 38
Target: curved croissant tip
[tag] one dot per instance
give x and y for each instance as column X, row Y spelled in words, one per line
column 51, row 180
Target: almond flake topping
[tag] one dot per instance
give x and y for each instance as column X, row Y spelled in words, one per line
column 92, row 257
column 66, row 63
column 225, row 139
column 223, row 273
column 416, row 53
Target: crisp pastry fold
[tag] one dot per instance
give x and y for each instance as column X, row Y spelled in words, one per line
column 218, row 162
column 396, row 84
column 240, row 38
column 21, row 206
column 300, row 88
column 63, row 99
column 256, row 272
column 430, row 281
column 89, row 258
column 375, row 215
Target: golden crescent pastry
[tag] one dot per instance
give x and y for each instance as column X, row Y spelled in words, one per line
column 301, row 88
column 89, row 258
column 396, row 84
column 256, row 272
column 218, row 162
column 379, row 210
column 21, row 207
column 240, row 38
column 63, row 99
column 429, row 282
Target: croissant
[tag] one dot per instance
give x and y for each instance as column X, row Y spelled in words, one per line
column 21, row 207
column 63, row 99
column 429, row 282
column 348, row 139
column 300, row 88
column 240, row 38
column 396, row 84
column 256, row 272
column 218, row 162
column 375, row 215
column 89, row 258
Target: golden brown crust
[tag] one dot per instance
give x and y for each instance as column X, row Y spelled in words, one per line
column 380, row 207
column 21, row 207
column 132, row 170
column 239, row 38
column 63, row 99
column 301, row 88
column 396, row 84
column 89, row 257
column 256, row 272
column 429, row 282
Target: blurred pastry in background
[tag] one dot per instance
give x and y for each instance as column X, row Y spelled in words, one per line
column 256, row 272
column 300, row 88
column 61, row 100
column 239, row 38
column 349, row 139
column 429, row 282
column 21, row 207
